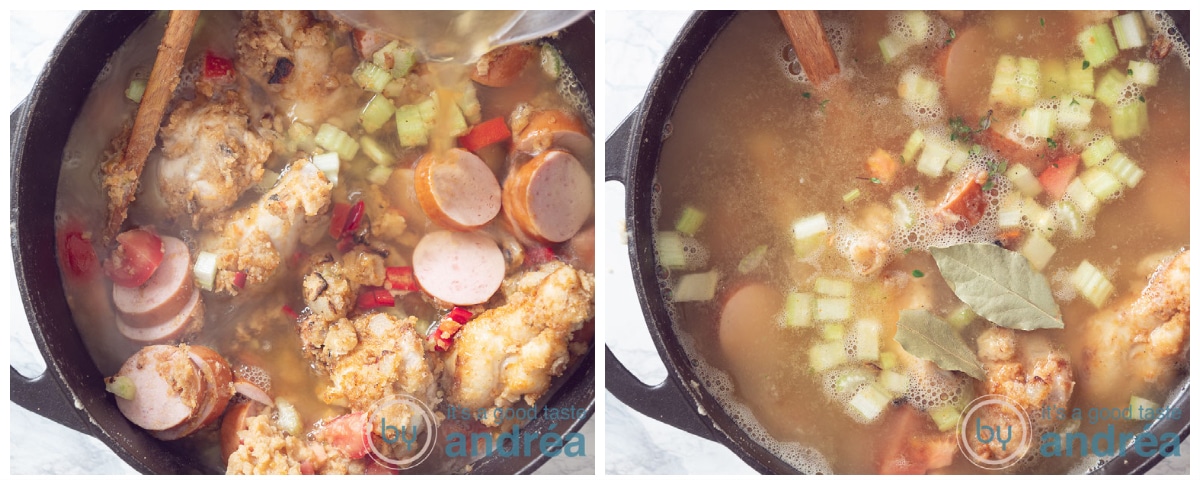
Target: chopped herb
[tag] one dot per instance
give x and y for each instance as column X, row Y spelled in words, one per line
column 918, row 273
column 806, row 94
column 948, row 40
column 995, row 169
column 960, row 130
column 1142, row 98
column 1051, row 142
column 874, row 180
column 917, row 188
column 1043, row 21
column 1129, row 72
column 1086, row 64
column 1074, row 102
column 823, row 102
column 908, row 250
column 976, row 148
column 901, row 157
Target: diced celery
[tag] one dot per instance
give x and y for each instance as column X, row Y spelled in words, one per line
column 1131, row 33
column 809, row 233
column 1110, row 87
column 902, row 213
column 1024, row 180
column 428, row 110
column 1042, row 219
column 403, row 60
column 958, row 158
column 370, row 77
column 1037, row 250
column 379, row 174
column 669, row 246
column 1004, row 84
column 288, row 418
column 1091, row 283
column 383, row 58
column 375, row 151
column 892, row 45
column 300, row 137
column 1078, row 139
column 833, row 332
column 136, row 89
column 1124, row 169
column 833, row 309
column 1099, row 151
column 377, row 112
column 961, row 317
column 1070, row 219
column 329, row 164
column 798, row 309
column 1075, row 112
column 933, row 159
column 850, row 379
column 1101, row 183
column 824, row 356
column 913, row 145
column 205, row 269
column 1130, row 120
column 1010, row 213
column 1078, row 194
column 696, row 287
column 752, row 260
column 832, row 287
column 1081, row 80
column 870, row 401
column 124, row 387
column 894, row 382
column 1029, row 77
column 552, row 61
column 916, row 88
column 1143, row 73
column 468, row 103
column 410, row 128
column 918, row 24
column 888, row 360
column 268, row 180
column 1143, row 409
column 866, row 335
column 1041, row 122
column 689, row 221
column 851, row 195
column 1054, row 78
column 1098, row 44
column 334, row 139
column 945, row 417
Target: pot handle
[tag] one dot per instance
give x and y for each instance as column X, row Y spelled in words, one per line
column 43, row 396
column 667, row 402
column 618, row 148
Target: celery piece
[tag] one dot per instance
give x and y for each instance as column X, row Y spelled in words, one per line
column 377, row 112
column 385, row 56
column 918, row 24
column 1098, row 44
column 850, row 379
column 1131, row 33
column 370, row 77
column 689, row 221
column 903, row 214
column 1078, row 194
column 1091, row 283
column 136, row 89
column 833, row 309
column 1103, row 184
column 334, row 139
column 891, row 46
column 122, row 387
column 866, row 335
column 961, row 317
column 918, row 89
column 1110, row 87
column 1037, row 250
column 824, row 356
column 832, row 287
column 913, row 145
column 375, row 151
column 696, row 287
column 410, row 128
column 403, row 61
column 870, row 401
column 1069, row 219
column 888, row 360
column 205, row 270
column 933, row 159
column 428, row 111
column 798, row 309
column 1036, row 215
column 669, row 247
column 1010, row 214
column 1127, row 172
column 329, row 164
column 1055, row 82
column 752, row 260
column 833, row 332
column 1075, row 112
column 809, row 233
column 1004, row 83
column 288, row 418
column 552, row 61
column 1098, row 151
column 958, row 159
column 1143, row 409
column 945, row 417
column 379, row 174
column 1024, row 180
column 1143, row 73
column 1028, row 79
column 468, row 103
column 851, row 195
column 268, row 180
column 1130, row 120
column 1041, row 122
column 894, row 382
column 1080, row 80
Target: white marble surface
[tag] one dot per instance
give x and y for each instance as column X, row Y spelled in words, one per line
column 37, row 445
column 635, row 43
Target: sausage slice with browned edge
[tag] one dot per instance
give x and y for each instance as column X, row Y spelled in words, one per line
column 188, row 320
column 549, row 197
column 461, row 268
column 234, row 422
column 167, row 388
column 164, row 294
column 218, row 389
column 457, row 190
column 547, row 129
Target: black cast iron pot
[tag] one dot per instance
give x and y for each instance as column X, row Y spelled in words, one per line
column 71, row 391
column 631, row 157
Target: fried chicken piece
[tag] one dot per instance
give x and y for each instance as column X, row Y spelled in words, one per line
column 514, row 350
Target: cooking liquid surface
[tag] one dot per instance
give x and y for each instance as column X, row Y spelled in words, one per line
column 755, row 148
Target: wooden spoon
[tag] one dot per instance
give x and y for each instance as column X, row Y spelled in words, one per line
column 122, row 174
column 812, row 48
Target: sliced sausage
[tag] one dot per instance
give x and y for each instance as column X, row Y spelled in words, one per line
column 457, row 190
column 167, row 388
column 462, row 268
column 164, row 294
column 967, row 66
column 502, row 66
column 548, row 129
column 215, row 393
column 253, row 392
column 549, row 197
column 234, row 422
column 188, row 320
column 748, row 331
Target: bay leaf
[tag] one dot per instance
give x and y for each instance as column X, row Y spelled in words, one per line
column 999, row 285
column 928, row 337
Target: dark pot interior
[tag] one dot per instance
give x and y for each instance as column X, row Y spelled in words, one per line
column 71, row 391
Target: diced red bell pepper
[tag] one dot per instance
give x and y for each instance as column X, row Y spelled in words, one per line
column 239, row 279
column 400, row 279
column 443, row 336
column 354, row 218
column 460, row 315
column 539, row 255
column 138, row 254
column 348, row 433
column 216, row 67
column 346, row 243
column 290, row 312
column 484, row 134
column 1058, row 175
column 374, row 297
column 76, row 254
column 338, row 221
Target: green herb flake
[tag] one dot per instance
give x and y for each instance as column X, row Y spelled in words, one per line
column 952, row 35
column 1051, row 142
column 875, row 180
column 908, row 250
column 1086, row 64
column 1142, row 98
column 1129, row 72
column 1043, row 21
column 918, row 274
column 806, row 94
column 976, row 149
column 823, row 103
column 1074, row 102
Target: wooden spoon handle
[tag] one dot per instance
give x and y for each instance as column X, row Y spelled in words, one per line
column 122, row 173
column 812, row 48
